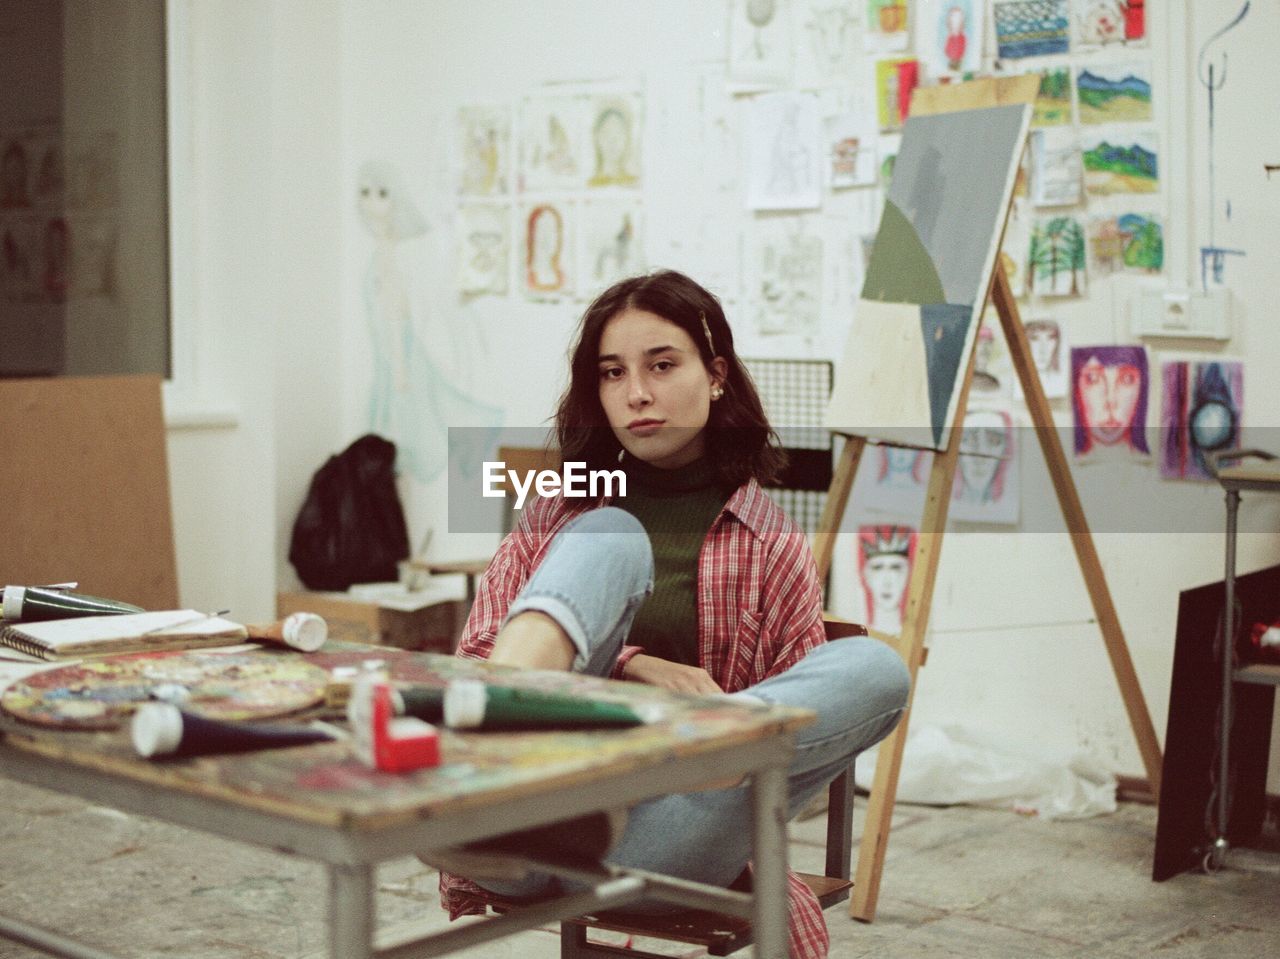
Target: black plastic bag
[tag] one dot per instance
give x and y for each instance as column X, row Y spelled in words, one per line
column 351, row 526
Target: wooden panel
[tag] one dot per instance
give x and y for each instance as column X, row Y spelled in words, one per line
column 987, row 92
column 85, row 487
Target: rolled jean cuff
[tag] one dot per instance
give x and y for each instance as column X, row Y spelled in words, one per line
column 566, row 617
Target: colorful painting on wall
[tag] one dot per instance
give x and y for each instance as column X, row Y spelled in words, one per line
column 1116, row 163
column 886, row 554
column 1056, row 259
column 930, row 266
column 1102, row 22
column 614, row 130
column 1053, row 102
column 851, row 151
column 1115, row 92
column 1030, row 28
column 1202, row 407
column 1109, row 389
column 952, row 36
column 897, row 480
column 986, row 487
column 1126, row 243
column 895, row 81
column 887, row 27
column 546, row 249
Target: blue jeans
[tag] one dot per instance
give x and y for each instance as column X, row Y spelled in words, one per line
column 594, row 577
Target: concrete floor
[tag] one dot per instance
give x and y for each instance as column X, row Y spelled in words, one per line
column 959, row 882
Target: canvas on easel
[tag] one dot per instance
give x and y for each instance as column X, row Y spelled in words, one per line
column 908, row 367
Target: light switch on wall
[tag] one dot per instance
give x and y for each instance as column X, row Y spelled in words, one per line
column 1201, row 315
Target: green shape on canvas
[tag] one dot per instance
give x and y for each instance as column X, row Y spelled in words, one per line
column 900, row 269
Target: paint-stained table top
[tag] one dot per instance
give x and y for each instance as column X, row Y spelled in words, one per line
column 325, row 784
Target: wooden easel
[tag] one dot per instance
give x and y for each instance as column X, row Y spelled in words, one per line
column 875, row 836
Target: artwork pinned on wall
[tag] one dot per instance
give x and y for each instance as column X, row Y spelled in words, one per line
column 1120, row 161
column 551, row 154
column 1109, row 389
column 896, row 79
column 94, row 242
column 992, row 368
column 886, row 554
column 1031, row 28
column 1126, row 243
column 851, row 151
column 987, row 486
column 1049, row 352
column 416, row 393
column 887, row 27
column 916, row 319
column 951, row 34
column 830, row 30
column 784, row 152
column 614, row 128
column 898, row 480
column 484, row 148
column 20, row 257
column 786, row 263
column 611, row 243
column 546, row 248
column 1056, row 174
column 760, row 51
column 1053, row 101
column 1102, row 22
column 1014, row 247
column 1056, row 257
column 1115, row 92
column 887, row 150
column 1203, row 404
column 484, row 248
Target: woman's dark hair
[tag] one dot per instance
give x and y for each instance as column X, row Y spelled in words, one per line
column 740, row 441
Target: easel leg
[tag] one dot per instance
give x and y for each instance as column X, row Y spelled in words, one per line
column 824, row 540
column 1081, row 538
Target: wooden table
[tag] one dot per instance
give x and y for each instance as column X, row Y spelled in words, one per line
column 319, row 802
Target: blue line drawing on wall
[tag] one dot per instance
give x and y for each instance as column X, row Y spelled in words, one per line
column 1213, row 257
column 412, row 400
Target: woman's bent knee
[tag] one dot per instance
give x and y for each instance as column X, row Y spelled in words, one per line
column 872, row 668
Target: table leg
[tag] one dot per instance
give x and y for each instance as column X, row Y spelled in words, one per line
column 1218, row 854
column 351, row 911
column 769, row 871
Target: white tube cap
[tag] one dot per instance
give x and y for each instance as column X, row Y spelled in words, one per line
column 14, row 596
column 305, row 631
column 464, row 703
column 156, row 729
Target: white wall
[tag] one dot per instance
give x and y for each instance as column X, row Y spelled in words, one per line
column 290, row 99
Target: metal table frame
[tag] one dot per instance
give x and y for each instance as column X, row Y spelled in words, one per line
column 350, row 855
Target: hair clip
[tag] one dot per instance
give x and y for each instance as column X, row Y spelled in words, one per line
column 707, row 330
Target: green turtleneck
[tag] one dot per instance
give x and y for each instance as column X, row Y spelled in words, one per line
column 676, row 508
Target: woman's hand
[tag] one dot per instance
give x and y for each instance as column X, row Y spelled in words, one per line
column 668, row 675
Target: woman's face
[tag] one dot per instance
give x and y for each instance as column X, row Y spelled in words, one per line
column 1108, row 397
column 1044, row 345
column 983, row 444
column 654, row 388
column 375, row 207
column 886, row 578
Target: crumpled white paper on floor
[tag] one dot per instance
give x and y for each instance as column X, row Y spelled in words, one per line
column 949, row 765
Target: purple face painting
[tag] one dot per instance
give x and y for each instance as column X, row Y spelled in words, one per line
column 1109, row 387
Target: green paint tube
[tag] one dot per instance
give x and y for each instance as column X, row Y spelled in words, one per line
column 472, row 704
column 30, row 604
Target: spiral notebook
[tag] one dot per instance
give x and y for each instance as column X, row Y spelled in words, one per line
column 132, row 633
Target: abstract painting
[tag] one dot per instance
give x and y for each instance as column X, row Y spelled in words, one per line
column 1125, row 243
column 887, row 27
column 759, row 44
column 1053, row 101
column 916, row 320
column 1115, row 92
column 1101, row 22
column 546, row 249
column 784, row 152
column 1030, row 28
column 1056, row 259
column 1056, row 176
column 1109, row 389
column 551, row 138
column 484, row 248
column 1049, row 353
column 1203, row 403
column 886, row 554
column 786, row 263
column 1119, row 163
column 986, row 486
column 614, row 132
column 951, row 36
column 611, row 243
column 896, row 79
column 484, row 145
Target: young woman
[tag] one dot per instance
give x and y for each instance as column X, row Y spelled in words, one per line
column 694, row 581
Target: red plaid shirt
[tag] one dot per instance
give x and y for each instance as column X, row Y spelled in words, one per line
column 759, row 613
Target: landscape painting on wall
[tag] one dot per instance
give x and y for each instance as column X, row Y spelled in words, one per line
column 1114, row 93
column 1120, row 164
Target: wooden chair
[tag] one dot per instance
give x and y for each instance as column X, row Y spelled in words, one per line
column 718, row 933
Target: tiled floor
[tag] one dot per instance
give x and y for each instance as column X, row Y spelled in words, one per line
column 958, row 882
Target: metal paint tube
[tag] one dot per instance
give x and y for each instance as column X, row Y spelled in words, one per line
column 30, row 604
column 162, row 730
column 472, row 704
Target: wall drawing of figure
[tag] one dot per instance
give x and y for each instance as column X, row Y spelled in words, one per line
column 413, row 400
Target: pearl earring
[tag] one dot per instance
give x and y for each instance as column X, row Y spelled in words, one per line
column 716, row 392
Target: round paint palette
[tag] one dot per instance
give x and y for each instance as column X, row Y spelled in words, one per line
column 102, row 694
